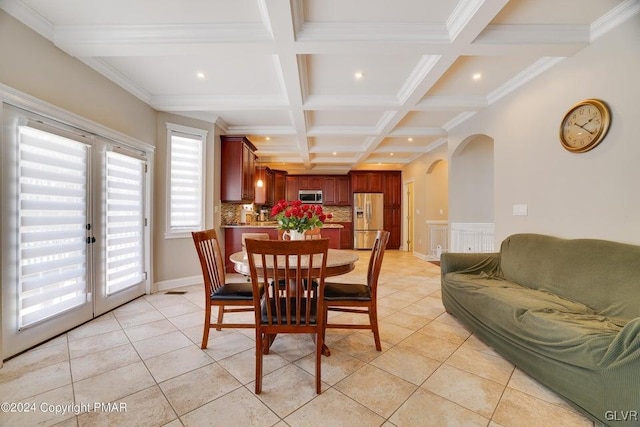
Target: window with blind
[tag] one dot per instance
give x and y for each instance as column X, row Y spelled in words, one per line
column 124, row 221
column 52, row 220
column 186, row 180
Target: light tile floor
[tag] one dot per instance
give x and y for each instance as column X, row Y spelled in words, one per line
column 145, row 357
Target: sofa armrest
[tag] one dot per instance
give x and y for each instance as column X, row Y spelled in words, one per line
column 469, row 263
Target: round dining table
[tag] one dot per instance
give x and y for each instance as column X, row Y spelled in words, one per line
column 338, row 262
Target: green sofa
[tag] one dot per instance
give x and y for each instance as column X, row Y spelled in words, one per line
column 567, row 312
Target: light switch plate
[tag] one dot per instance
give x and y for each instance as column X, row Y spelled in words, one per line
column 520, row 210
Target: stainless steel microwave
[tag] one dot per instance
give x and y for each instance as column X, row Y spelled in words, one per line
column 310, row 196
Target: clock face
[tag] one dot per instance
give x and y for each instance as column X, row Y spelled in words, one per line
column 584, row 126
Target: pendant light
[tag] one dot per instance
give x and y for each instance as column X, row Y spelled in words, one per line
column 259, row 183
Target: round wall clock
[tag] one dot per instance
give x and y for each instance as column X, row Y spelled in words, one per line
column 585, row 125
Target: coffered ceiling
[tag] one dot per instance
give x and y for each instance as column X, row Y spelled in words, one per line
column 324, row 86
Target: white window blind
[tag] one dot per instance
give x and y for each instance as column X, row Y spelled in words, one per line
column 52, row 220
column 186, row 182
column 124, row 222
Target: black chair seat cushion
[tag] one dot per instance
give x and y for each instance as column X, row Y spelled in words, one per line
column 234, row 291
column 283, row 308
column 346, row 291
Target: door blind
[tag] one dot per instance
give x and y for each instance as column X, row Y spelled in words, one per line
column 186, row 183
column 52, row 220
column 124, row 222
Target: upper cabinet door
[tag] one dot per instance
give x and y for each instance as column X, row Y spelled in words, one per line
column 237, row 170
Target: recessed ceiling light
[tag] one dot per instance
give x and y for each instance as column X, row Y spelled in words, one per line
column 268, row 138
column 410, row 139
column 358, row 75
column 476, row 76
column 391, row 154
column 334, row 153
column 201, row 75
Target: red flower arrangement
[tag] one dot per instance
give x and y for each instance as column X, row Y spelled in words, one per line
column 296, row 216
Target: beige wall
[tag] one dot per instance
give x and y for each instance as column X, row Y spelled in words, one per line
column 429, row 176
column 471, row 183
column 175, row 259
column 593, row 194
column 32, row 64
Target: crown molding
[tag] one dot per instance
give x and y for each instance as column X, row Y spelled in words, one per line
column 451, row 103
column 28, row 17
column 261, row 130
column 341, row 130
column 373, row 31
column 614, row 17
column 372, row 102
column 117, row 77
column 165, row 34
column 417, row 76
column 529, row 34
column 529, row 73
column 417, row 131
column 458, row 119
column 208, row 102
column 464, row 11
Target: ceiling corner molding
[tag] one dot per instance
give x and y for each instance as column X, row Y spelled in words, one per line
column 297, row 16
column 372, row 102
column 261, row 130
column 538, row 67
column 457, row 120
column 29, row 17
column 174, row 103
column 417, row 131
column 118, row 78
column 461, row 15
column 614, row 17
column 371, row 31
column 527, row 34
column 264, row 14
column 417, row 76
column 451, row 103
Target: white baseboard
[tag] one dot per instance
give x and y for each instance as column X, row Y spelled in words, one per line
column 421, row 256
column 177, row 283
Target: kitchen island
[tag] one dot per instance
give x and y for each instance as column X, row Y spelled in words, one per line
column 233, row 236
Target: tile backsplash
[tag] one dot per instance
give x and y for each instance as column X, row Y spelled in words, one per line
column 231, row 213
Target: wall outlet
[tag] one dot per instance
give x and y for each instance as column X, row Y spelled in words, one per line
column 520, row 210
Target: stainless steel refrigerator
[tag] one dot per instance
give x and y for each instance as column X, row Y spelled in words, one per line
column 368, row 218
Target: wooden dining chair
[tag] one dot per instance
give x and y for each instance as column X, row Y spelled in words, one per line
column 291, row 309
column 238, row 296
column 358, row 298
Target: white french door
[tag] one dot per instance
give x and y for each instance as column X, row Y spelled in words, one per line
column 74, row 228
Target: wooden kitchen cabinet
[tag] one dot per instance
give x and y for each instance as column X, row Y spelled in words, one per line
column 346, row 235
column 336, row 190
column 343, row 191
column 392, row 188
column 237, row 169
column 367, row 182
column 280, row 185
column 292, row 188
column 309, row 182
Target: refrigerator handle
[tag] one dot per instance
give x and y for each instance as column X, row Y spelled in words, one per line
column 369, row 212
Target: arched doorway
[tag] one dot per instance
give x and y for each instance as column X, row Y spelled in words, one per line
column 471, row 195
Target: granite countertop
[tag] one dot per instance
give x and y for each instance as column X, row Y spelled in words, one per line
column 274, row 224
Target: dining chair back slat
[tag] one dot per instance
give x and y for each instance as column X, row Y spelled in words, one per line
column 292, row 274
column 356, row 297
column 217, row 292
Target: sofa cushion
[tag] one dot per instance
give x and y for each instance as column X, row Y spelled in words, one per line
column 542, row 322
column 603, row 275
